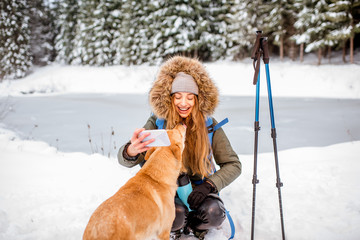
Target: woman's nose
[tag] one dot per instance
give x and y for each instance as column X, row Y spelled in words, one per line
column 183, row 101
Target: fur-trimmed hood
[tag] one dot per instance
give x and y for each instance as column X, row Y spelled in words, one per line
column 159, row 95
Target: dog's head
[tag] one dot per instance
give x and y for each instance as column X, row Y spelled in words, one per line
column 177, row 142
column 177, row 137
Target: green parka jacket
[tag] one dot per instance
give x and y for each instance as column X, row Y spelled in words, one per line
column 208, row 96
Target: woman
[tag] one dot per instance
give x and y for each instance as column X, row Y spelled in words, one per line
column 183, row 92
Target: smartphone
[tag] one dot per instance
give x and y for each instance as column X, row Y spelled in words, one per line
column 160, row 135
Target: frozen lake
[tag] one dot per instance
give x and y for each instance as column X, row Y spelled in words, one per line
column 62, row 119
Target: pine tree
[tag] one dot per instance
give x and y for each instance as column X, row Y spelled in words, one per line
column 192, row 28
column 156, row 27
column 246, row 18
column 341, row 13
column 67, row 12
column 116, row 18
column 182, row 25
column 303, row 21
column 134, row 35
column 214, row 39
column 42, row 32
column 173, row 29
column 85, row 39
column 107, row 25
column 15, row 54
column 279, row 22
column 319, row 28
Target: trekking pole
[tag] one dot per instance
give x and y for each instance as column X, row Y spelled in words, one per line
column 261, row 48
column 256, row 56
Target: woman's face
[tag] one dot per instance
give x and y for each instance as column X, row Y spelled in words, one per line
column 184, row 103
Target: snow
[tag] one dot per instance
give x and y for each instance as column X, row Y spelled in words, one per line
column 47, row 192
column 292, row 80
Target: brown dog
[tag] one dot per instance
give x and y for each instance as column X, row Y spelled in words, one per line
column 144, row 207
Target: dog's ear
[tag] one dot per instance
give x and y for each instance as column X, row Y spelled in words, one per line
column 170, row 135
column 149, row 152
column 175, row 145
column 175, row 148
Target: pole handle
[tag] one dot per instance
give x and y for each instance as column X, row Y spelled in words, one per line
column 257, row 69
column 256, row 45
column 264, row 46
column 256, row 54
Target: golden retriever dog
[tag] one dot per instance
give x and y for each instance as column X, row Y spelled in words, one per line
column 144, row 207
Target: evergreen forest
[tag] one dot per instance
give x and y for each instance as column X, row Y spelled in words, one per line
column 132, row 32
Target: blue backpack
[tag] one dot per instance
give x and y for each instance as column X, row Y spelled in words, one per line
column 211, row 129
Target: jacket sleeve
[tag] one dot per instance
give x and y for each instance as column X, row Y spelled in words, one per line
column 150, row 124
column 226, row 158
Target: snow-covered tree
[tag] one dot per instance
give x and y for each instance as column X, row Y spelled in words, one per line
column 116, row 18
column 67, row 26
column 172, row 28
column 15, row 52
column 107, row 25
column 42, row 32
column 157, row 28
column 182, row 24
column 134, row 34
column 318, row 28
column 85, row 38
column 279, row 22
column 192, row 28
column 216, row 17
column 304, row 9
column 245, row 19
column 341, row 13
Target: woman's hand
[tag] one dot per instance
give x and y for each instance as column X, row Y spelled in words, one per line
column 198, row 195
column 137, row 146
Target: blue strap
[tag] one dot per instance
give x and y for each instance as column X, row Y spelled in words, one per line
column 232, row 226
column 208, row 121
column 220, row 124
column 212, row 129
column 160, row 123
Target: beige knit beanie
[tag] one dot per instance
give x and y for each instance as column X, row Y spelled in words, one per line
column 184, row 83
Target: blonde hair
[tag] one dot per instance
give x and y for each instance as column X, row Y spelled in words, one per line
column 197, row 145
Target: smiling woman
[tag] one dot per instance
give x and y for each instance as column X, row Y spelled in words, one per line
column 184, row 93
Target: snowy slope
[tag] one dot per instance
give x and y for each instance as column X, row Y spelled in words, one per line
column 45, row 194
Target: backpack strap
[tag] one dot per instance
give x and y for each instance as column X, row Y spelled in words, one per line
column 160, row 123
column 212, row 129
column 220, row 124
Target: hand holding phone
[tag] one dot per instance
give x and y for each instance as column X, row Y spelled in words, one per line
column 160, row 135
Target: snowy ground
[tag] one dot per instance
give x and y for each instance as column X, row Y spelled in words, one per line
column 50, row 183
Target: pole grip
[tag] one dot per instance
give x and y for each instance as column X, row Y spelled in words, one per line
column 265, row 48
column 256, row 45
column 257, row 69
